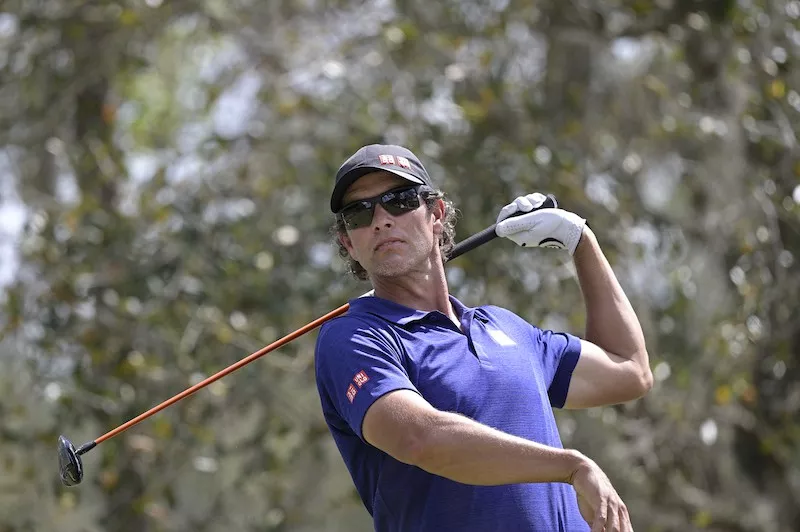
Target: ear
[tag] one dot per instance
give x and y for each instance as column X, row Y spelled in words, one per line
column 347, row 243
column 439, row 210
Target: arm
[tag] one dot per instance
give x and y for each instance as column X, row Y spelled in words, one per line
column 407, row 427
column 614, row 365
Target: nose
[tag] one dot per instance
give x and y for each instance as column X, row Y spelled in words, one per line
column 381, row 218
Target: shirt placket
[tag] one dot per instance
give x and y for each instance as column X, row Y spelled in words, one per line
column 476, row 331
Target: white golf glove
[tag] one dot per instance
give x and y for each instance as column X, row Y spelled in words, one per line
column 549, row 228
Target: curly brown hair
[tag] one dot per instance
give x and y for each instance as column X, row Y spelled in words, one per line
column 447, row 239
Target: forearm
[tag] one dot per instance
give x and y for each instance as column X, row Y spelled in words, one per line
column 611, row 322
column 465, row 451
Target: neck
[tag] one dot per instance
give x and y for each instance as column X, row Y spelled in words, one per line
column 426, row 291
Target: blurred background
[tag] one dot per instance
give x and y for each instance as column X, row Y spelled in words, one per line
column 165, row 169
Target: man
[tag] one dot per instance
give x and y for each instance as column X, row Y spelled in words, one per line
column 443, row 413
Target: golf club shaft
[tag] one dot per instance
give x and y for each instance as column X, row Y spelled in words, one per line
column 462, row 247
column 233, row 367
column 457, row 250
column 478, row 239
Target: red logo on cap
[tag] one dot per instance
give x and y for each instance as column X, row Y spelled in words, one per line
column 391, row 159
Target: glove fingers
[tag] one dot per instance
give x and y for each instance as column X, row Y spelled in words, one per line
column 536, row 199
column 515, row 206
column 525, row 222
column 524, row 204
column 502, row 229
column 551, row 228
column 521, row 204
column 506, row 211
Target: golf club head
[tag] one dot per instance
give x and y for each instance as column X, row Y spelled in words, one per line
column 69, row 463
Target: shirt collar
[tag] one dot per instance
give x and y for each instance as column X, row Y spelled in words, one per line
column 397, row 313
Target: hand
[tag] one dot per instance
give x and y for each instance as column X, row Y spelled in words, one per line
column 598, row 501
column 552, row 228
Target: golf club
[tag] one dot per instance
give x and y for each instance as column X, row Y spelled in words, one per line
column 69, row 458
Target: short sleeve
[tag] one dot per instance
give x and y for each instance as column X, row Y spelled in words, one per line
column 559, row 355
column 356, row 364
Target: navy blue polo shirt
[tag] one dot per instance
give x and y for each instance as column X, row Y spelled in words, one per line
column 500, row 371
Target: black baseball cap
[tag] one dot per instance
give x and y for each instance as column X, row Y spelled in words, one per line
column 375, row 157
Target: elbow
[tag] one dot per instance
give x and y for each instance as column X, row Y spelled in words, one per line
column 426, row 447
column 644, row 379
column 415, row 447
column 412, row 451
column 646, row 383
column 637, row 379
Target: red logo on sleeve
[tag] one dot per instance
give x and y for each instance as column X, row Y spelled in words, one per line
column 361, row 378
column 351, row 393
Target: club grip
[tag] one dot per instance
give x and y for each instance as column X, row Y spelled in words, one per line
column 478, row 239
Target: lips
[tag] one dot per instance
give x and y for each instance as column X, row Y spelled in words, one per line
column 384, row 242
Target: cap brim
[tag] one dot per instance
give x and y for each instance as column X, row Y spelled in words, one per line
column 350, row 177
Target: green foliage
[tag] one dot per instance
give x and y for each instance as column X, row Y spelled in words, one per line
column 175, row 160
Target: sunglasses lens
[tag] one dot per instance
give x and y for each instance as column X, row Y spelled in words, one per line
column 396, row 202
column 401, row 202
column 358, row 215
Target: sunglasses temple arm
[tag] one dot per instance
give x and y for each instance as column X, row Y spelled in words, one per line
column 478, row 239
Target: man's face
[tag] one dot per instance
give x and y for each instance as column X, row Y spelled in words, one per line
column 393, row 246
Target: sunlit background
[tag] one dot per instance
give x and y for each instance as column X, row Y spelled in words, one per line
column 165, row 169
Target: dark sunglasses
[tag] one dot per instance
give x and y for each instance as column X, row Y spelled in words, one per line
column 396, row 202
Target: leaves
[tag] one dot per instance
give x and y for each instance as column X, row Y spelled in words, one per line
column 175, row 161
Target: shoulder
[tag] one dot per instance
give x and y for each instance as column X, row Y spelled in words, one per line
column 505, row 316
column 345, row 326
column 511, row 322
column 353, row 331
column 512, row 317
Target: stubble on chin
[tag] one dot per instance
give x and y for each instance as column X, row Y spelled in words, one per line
column 389, row 267
column 403, row 264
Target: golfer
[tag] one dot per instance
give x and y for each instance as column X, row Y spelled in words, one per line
column 443, row 412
